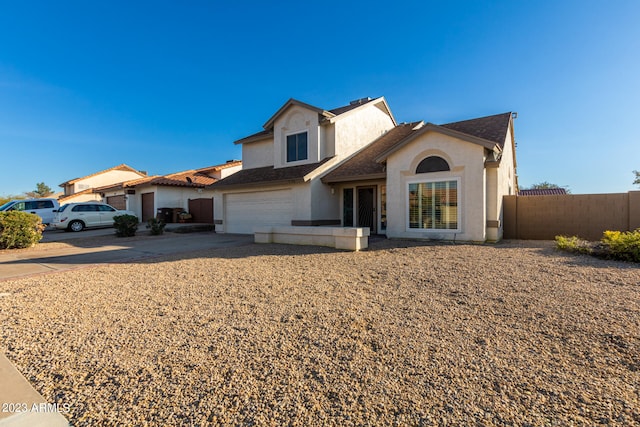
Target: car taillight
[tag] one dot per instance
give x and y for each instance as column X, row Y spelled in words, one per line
column 63, row 219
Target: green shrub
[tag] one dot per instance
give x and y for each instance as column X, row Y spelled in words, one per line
column 19, row 229
column 573, row 244
column 156, row 226
column 624, row 246
column 126, row 225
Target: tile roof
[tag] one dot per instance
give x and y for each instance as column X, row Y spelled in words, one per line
column 542, row 192
column 268, row 175
column 363, row 165
column 121, row 167
column 492, row 128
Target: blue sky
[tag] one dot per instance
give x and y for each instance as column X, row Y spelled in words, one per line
column 167, row 86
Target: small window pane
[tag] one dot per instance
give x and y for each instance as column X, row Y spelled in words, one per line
column 347, row 207
column 433, row 205
column 297, row 147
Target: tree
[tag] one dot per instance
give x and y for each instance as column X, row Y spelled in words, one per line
column 42, row 190
column 637, row 181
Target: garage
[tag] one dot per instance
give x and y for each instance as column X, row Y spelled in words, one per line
column 117, row 202
column 243, row 211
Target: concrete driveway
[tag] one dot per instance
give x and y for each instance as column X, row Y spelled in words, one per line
column 64, row 251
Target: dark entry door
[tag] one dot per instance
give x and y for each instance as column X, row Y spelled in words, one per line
column 147, row 207
column 201, row 210
column 367, row 208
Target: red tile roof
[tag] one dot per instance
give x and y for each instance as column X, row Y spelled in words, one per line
column 542, row 192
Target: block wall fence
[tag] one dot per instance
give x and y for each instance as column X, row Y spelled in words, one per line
column 583, row 215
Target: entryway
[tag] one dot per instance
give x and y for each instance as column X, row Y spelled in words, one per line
column 366, row 213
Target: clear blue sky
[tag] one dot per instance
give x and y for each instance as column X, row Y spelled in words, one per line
column 168, row 86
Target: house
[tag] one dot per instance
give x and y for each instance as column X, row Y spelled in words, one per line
column 82, row 189
column 186, row 190
column 354, row 166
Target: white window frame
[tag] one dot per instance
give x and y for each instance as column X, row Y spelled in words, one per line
column 434, row 230
column 286, row 147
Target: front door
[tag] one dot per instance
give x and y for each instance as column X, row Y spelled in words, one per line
column 367, row 208
column 147, row 206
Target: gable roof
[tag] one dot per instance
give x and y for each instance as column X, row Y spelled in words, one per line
column 194, row 178
column 542, row 192
column 362, row 164
column 327, row 115
column 489, row 132
column 121, row 167
column 491, row 128
column 268, row 175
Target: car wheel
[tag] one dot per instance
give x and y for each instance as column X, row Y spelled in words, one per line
column 76, row 226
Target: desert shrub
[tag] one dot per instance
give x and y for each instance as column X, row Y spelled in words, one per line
column 156, row 226
column 624, row 246
column 19, row 229
column 125, row 225
column 573, row 244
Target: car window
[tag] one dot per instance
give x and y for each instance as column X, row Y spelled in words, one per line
column 31, row 205
column 44, row 204
column 63, row 207
column 106, row 208
column 17, row 207
column 85, row 208
column 5, row 206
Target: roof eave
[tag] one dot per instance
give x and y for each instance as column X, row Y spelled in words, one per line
column 430, row 127
column 291, row 102
column 351, row 178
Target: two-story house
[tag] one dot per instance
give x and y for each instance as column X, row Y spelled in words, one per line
column 354, row 166
column 82, row 189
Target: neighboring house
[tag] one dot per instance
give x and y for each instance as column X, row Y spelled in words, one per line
column 82, row 189
column 542, row 192
column 354, row 166
column 186, row 190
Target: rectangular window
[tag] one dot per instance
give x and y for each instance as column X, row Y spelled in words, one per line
column 347, row 207
column 297, row 147
column 433, row 205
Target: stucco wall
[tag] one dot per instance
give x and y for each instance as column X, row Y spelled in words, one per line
column 466, row 161
column 257, row 154
column 360, row 127
column 296, row 120
column 106, row 178
column 501, row 183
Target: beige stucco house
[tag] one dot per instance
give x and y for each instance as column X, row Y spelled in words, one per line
column 187, row 190
column 82, row 189
column 354, row 166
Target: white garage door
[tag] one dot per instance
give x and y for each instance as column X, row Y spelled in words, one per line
column 247, row 210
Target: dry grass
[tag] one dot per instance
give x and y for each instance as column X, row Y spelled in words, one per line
column 403, row 334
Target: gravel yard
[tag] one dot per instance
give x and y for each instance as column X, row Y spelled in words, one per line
column 402, row 334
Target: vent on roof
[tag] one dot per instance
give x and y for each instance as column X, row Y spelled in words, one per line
column 189, row 180
column 360, row 101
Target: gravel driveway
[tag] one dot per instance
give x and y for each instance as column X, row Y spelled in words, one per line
column 401, row 334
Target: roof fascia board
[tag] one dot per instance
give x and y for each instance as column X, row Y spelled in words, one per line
column 355, row 178
column 291, row 102
column 430, row 127
column 378, row 102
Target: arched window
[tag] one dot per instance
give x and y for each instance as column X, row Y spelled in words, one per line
column 432, row 164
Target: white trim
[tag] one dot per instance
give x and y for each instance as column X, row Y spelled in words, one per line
column 434, row 230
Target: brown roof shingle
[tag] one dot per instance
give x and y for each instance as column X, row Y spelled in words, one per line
column 492, row 128
column 267, row 175
column 363, row 164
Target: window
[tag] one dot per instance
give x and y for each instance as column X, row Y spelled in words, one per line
column 297, row 147
column 105, row 208
column 432, row 164
column 433, row 205
column 383, row 207
column 347, row 207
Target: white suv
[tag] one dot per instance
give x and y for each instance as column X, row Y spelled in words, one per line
column 44, row 208
column 78, row 216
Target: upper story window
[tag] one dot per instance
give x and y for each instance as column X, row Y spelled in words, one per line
column 297, row 147
column 432, row 164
